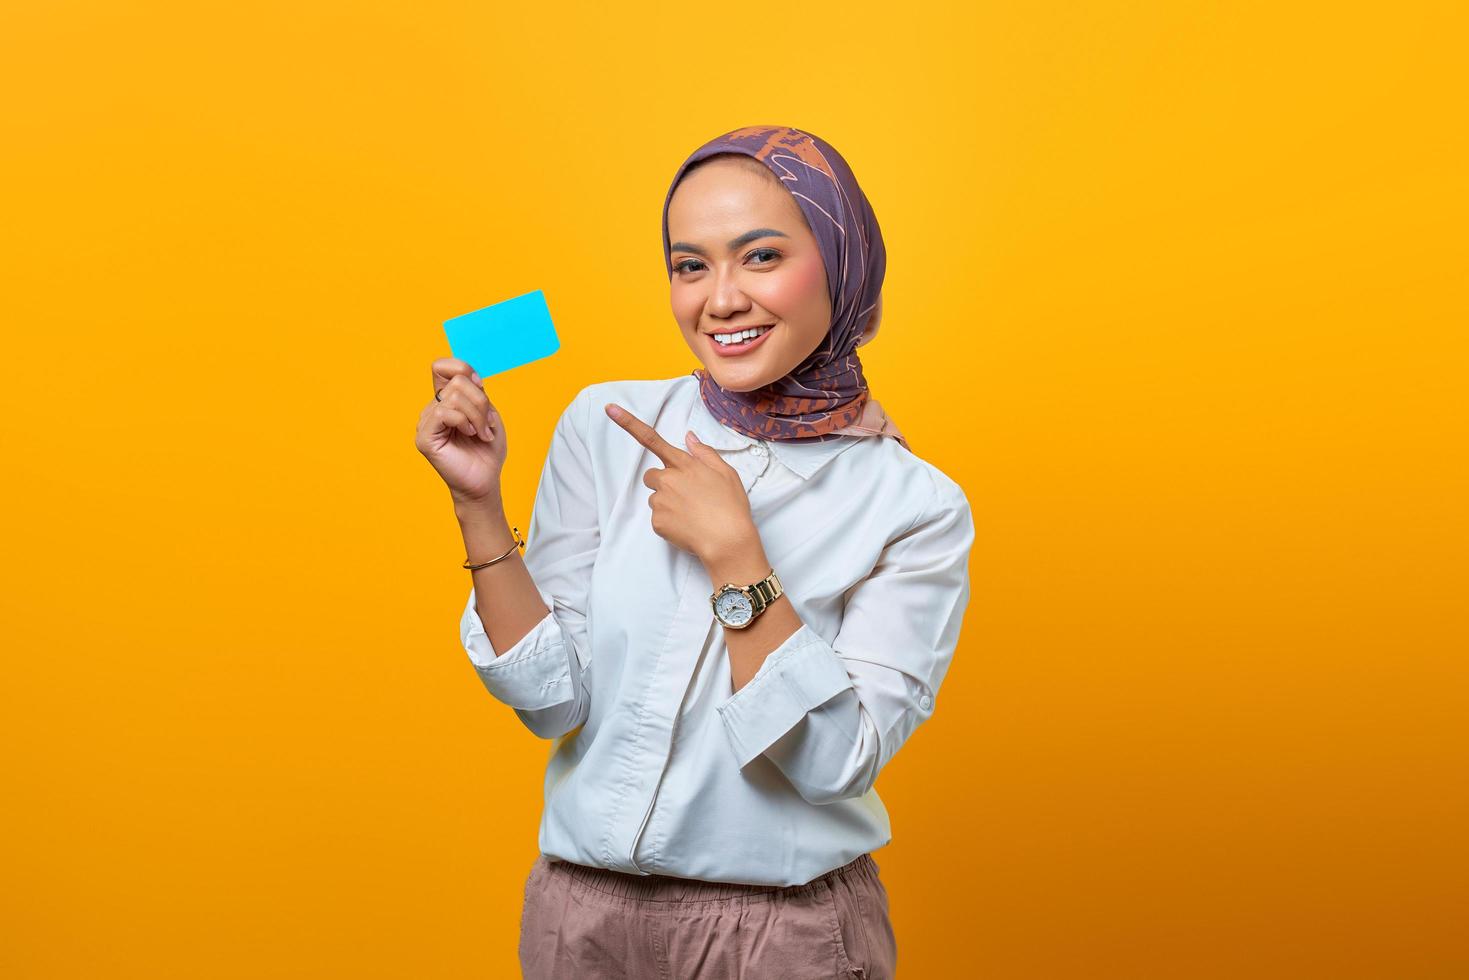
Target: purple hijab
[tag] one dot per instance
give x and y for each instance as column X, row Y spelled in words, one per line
column 825, row 396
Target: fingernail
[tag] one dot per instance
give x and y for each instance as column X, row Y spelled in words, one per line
column 614, row 411
column 475, row 378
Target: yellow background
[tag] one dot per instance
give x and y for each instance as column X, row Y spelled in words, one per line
column 1176, row 291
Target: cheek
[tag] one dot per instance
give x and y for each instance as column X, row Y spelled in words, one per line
column 687, row 306
column 798, row 291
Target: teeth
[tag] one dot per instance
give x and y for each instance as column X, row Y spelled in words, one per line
column 735, row 338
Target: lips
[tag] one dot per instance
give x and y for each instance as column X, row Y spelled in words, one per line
column 733, row 350
column 748, row 326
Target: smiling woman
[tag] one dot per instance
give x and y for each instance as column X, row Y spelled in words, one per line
column 715, row 752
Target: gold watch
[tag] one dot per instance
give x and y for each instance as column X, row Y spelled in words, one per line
column 736, row 606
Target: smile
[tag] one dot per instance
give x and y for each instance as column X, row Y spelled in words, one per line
column 746, row 343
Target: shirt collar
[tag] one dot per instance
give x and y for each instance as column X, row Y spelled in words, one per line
column 803, row 456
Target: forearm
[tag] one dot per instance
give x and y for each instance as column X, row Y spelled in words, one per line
column 835, row 757
column 743, row 563
column 506, row 598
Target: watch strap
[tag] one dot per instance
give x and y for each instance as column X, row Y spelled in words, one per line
column 766, row 591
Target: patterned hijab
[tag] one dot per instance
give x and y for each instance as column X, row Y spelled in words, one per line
column 825, row 396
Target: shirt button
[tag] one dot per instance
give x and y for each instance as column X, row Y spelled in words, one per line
column 924, row 702
column 759, row 449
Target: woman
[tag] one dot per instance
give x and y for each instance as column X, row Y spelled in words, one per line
column 726, row 663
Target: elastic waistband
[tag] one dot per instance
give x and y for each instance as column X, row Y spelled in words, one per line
column 667, row 888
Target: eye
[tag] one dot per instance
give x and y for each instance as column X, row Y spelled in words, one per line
column 693, row 265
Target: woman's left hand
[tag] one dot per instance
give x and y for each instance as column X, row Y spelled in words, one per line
column 699, row 501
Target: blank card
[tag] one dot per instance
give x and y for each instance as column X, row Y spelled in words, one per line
column 504, row 335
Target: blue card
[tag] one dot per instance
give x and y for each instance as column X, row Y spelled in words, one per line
column 504, row 335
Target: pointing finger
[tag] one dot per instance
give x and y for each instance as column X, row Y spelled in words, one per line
column 644, row 433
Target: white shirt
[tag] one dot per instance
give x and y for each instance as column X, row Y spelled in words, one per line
column 656, row 766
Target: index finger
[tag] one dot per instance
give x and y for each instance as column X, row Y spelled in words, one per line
column 647, row 435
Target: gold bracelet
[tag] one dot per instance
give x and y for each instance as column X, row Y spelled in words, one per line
column 519, row 543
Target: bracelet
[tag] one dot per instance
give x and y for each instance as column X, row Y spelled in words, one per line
column 519, row 543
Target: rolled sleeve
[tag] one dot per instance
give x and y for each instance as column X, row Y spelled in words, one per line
column 800, row 674
column 831, row 715
column 534, row 673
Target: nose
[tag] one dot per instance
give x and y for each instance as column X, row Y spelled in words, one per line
column 727, row 298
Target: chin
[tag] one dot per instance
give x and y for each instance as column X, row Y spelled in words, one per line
column 736, row 374
column 740, row 382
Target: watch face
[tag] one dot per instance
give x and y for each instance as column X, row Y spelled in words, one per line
column 733, row 607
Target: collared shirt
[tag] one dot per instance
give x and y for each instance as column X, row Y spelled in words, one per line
column 657, row 766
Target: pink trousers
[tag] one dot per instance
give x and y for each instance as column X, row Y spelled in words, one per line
column 581, row 923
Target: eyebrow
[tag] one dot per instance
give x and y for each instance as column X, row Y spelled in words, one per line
column 747, row 237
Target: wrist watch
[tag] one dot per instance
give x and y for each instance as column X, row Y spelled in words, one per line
column 736, row 606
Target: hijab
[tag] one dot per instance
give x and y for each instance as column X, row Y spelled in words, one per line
column 825, row 396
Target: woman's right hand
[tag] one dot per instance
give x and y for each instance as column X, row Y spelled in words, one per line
column 461, row 434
